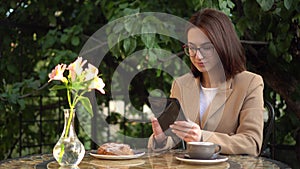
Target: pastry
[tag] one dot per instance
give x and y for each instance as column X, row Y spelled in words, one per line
column 115, row 149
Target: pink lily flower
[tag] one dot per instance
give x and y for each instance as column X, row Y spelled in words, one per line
column 57, row 73
column 91, row 72
column 97, row 84
column 76, row 67
column 78, row 82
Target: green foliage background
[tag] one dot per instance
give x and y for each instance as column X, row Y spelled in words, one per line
column 37, row 35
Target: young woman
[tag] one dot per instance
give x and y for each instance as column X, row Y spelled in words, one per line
column 222, row 100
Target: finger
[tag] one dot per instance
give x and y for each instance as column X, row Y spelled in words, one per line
column 186, row 136
column 159, row 135
column 157, row 130
column 181, row 134
column 187, row 124
column 183, row 126
column 179, row 128
column 153, row 119
column 185, row 131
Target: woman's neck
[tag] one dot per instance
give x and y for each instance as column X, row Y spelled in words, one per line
column 210, row 80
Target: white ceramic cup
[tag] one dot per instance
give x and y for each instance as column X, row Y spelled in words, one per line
column 202, row 150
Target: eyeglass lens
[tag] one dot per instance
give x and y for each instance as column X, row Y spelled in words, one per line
column 205, row 50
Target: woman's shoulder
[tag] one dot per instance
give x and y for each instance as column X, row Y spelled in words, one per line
column 185, row 80
column 186, row 77
column 248, row 77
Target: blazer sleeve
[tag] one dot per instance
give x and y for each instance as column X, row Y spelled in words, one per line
column 248, row 137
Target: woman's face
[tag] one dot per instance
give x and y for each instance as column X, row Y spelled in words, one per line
column 202, row 52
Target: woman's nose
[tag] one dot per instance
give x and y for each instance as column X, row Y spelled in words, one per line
column 199, row 55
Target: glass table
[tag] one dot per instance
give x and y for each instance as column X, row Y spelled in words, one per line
column 163, row 160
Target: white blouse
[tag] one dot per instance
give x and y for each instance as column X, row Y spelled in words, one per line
column 206, row 97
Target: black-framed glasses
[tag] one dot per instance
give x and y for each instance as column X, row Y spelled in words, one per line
column 205, row 50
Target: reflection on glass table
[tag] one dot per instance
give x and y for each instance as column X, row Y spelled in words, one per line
column 169, row 159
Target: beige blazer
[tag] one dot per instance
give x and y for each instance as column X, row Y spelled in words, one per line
column 234, row 119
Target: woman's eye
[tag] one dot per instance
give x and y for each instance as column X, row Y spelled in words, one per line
column 207, row 47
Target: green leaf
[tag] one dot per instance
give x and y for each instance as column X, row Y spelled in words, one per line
column 123, row 5
column 12, row 68
column 118, row 27
column 75, row 41
column 111, row 40
column 49, row 40
column 230, row 4
column 241, row 26
column 129, row 11
column 283, row 43
column 33, row 84
column 152, row 57
column 288, row 4
column 126, row 45
column 76, row 29
column 129, row 45
column 148, row 39
column 21, row 102
column 265, row 4
column 288, row 57
column 130, row 24
column 64, row 38
column 251, row 10
column 151, row 24
column 269, row 36
column 272, row 49
column 86, row 104
column 58, row 87
column 296, row 18
column 52, row 20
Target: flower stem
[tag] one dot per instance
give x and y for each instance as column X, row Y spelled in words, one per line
column 62, row 151
column 69, row 97
column 71, row 113
column 69, row 122
column 62, row 146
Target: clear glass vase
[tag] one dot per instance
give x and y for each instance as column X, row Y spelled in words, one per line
column 68, row 151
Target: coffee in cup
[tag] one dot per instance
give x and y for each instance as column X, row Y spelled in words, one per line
column 203, row 150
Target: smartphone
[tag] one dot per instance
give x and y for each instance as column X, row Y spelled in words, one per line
column 167, row 111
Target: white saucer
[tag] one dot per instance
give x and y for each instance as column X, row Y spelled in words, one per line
column 117, row 157
column 114, row 164
column 218, row 159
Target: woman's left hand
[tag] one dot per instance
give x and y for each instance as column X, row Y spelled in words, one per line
column 187, row 130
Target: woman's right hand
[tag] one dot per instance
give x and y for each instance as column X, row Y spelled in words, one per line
column 159, row 135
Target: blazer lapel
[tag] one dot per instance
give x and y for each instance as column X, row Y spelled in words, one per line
column 191, row 96
column 217, row 103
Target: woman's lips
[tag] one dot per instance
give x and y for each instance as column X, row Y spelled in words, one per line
column 202, row 64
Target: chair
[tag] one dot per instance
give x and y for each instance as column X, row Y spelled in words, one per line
column 267, row 148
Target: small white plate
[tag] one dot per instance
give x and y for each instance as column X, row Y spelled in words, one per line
column 115, row 164
column 219, row 159
column 117, row 157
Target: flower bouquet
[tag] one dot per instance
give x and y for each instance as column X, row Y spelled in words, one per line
column 68, row 150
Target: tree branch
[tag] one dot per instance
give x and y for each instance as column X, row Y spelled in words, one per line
column 249, row 42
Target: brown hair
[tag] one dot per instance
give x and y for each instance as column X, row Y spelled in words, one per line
column 220, row 31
